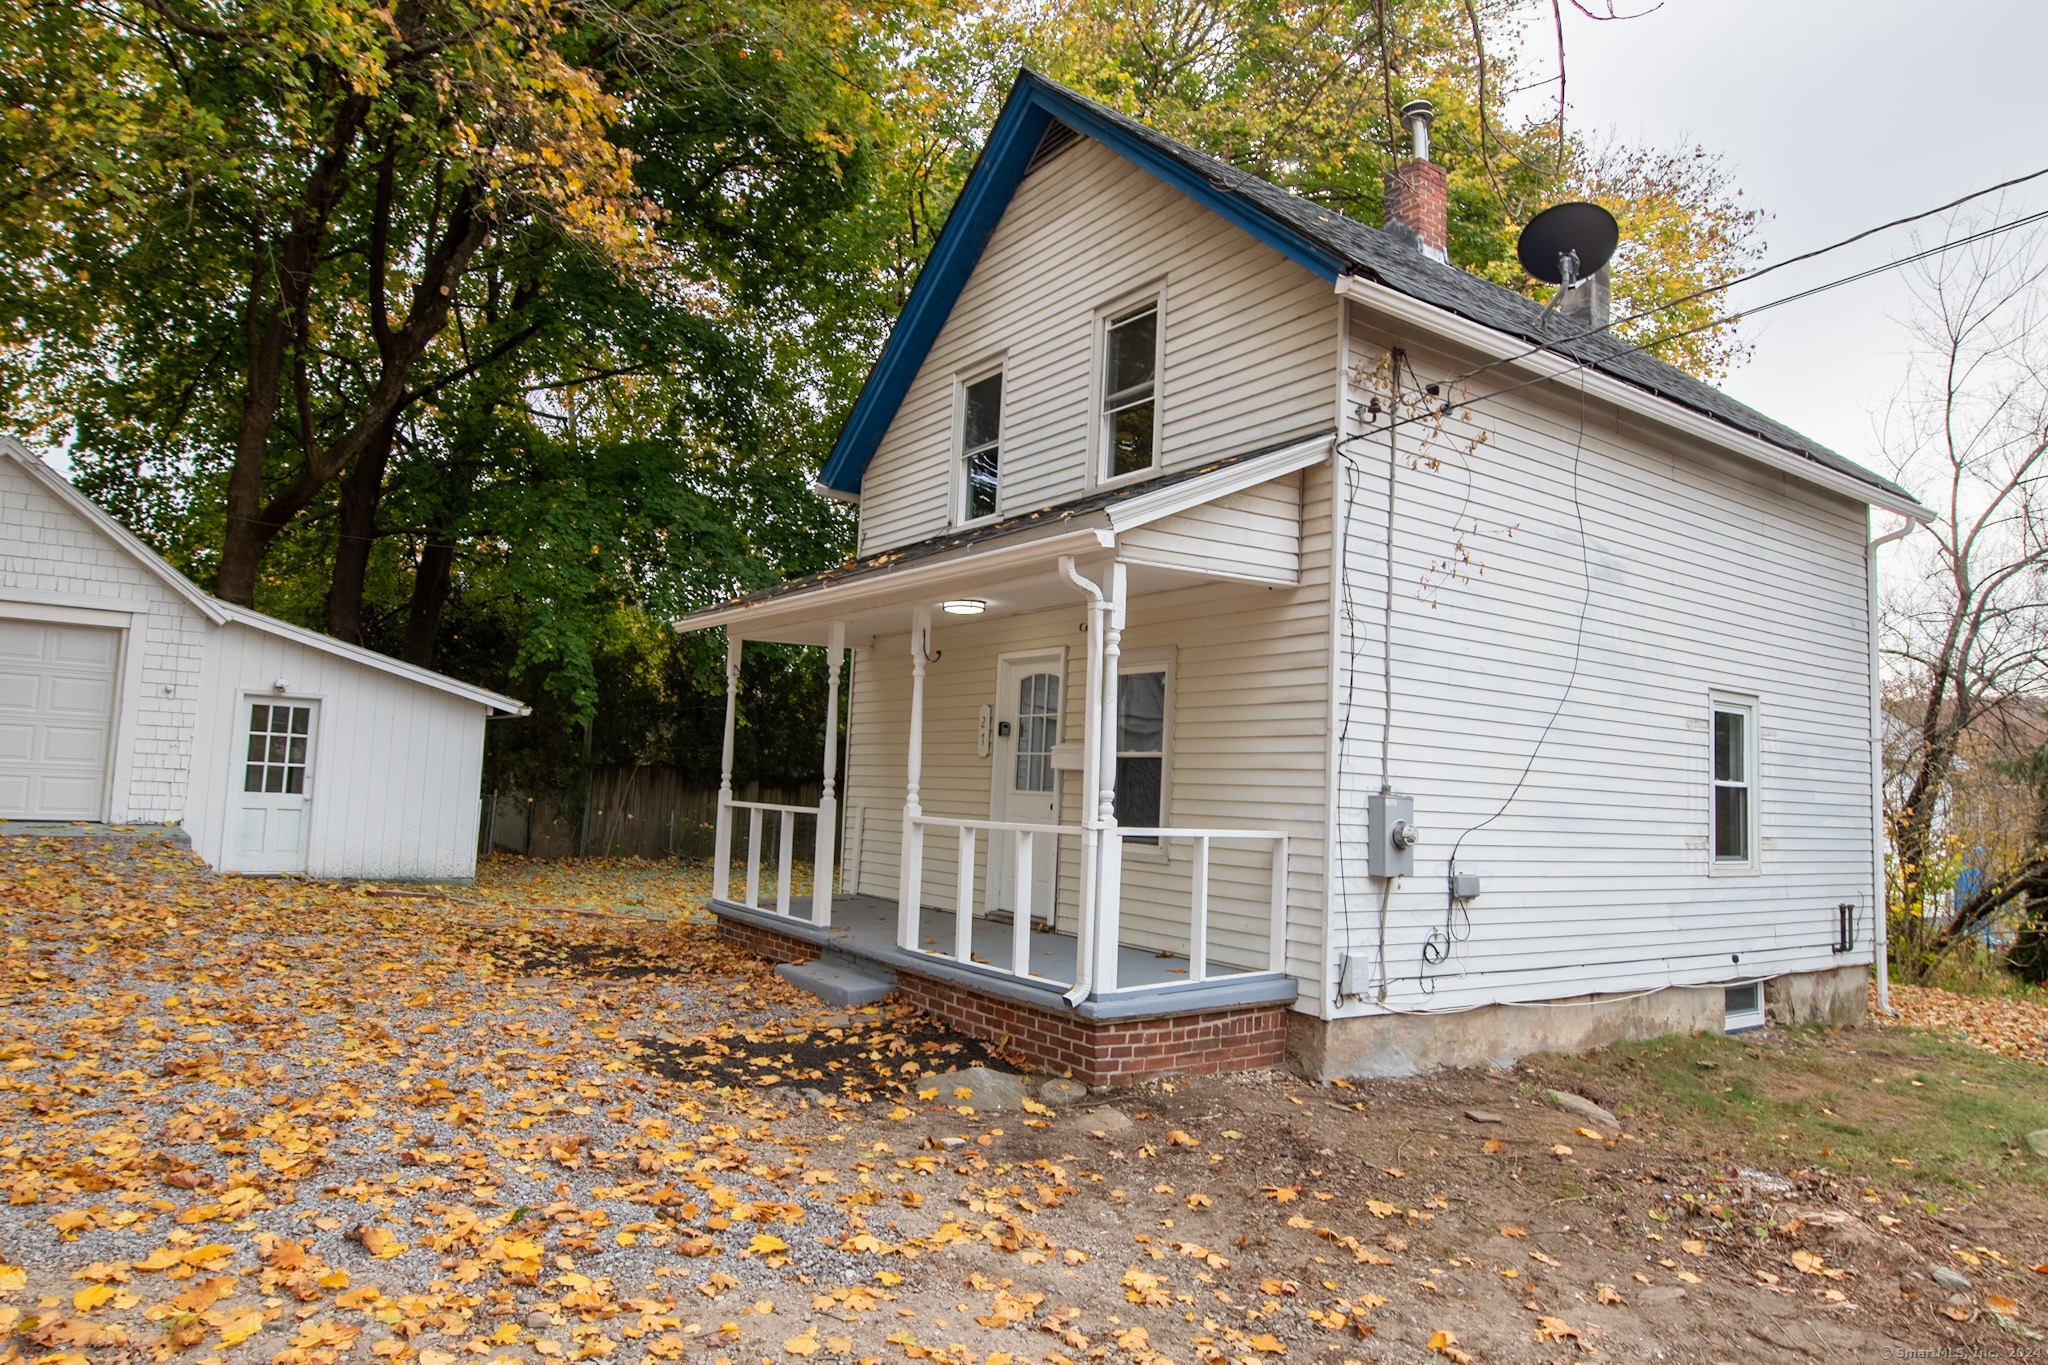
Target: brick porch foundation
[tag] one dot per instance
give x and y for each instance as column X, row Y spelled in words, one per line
column 1095, row 1051
column 765, row 942
column 1108, row 1051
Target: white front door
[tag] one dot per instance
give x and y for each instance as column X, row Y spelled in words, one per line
column 1027, row 789
column 57, row 691
column 273, row 786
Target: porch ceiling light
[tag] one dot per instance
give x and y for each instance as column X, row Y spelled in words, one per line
column 966, row 606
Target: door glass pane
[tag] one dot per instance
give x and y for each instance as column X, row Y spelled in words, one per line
column 1038, row 704
column 277, row 749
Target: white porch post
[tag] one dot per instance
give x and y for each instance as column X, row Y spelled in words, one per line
column 823, row 882
column 721, row 876
column 910, row 871
column 1109, row 883
column 1091, row 771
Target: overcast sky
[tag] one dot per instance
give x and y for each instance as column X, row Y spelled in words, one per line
column 1833, row 116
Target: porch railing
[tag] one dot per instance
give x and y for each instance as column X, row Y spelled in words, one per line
column 1198, row 897
column 1023, row 841
column 785, row 847
column 972, row 836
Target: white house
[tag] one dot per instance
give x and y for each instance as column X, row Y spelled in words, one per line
column 1268, row 640
column 128, row 695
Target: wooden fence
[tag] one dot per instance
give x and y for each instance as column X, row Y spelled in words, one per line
column 633, row 812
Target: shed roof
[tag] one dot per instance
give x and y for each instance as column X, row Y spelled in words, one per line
column 221, row 613
column 1318, row 238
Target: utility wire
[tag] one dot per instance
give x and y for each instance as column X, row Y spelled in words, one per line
column 1762, row 271
column 1575, row 364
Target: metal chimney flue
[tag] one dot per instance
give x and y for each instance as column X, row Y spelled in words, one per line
column 1417, row 205
column 1416, row 116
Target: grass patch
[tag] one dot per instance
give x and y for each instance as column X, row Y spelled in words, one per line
column 1901, row 1109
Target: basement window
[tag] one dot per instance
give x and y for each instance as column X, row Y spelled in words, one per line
column 1743, row 1007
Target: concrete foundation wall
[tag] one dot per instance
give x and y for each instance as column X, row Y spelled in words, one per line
column 1498, row 1035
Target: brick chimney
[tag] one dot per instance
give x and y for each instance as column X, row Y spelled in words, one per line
column 1417, row 209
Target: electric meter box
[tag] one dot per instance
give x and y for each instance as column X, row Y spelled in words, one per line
column 1392, row 836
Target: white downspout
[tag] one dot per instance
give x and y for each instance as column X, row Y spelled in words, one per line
column 1084, row 938
column 1881, row 929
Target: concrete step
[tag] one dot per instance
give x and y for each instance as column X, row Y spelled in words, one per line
column 834, row 985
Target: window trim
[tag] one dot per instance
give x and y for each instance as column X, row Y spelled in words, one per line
column 1124, row 306
column 957, row 482
column 1164, row 661
column 1747, row 707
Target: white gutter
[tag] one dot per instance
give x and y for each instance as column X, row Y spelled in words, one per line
column 1880, row 926
column 1091, row 771
column 1626, row 396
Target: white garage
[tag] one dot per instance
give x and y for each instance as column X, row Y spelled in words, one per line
column 127, row 695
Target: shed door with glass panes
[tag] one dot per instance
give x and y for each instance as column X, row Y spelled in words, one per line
column 273, row 784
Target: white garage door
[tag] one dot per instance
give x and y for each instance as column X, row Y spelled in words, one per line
column 56, row 718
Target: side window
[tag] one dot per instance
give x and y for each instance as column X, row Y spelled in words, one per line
column 981, row 434
column 1140, row 748
column 1129, row 392
column 1734, row 798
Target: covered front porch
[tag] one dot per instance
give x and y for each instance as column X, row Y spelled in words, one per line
column 1013, row 866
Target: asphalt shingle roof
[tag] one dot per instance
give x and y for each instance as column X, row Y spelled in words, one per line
column 1378, row 256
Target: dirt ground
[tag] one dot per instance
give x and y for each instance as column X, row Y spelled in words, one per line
column 248, row 1120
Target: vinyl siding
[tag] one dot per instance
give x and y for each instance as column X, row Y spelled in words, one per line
column 1247, row 359
column 1698, row 573
column 1253, row 534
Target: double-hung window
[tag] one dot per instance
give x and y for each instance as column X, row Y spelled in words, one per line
column 981, row 432
column 1734, row 785
column 1130, row 382
column 1140, row 748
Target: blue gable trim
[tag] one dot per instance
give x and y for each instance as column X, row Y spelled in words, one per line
column 1032, row 104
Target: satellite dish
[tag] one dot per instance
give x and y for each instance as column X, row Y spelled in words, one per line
column 1568, row 242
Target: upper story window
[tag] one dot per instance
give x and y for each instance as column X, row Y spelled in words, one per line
column 981, row 447
column 1130, row 376
column 1734, row 812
